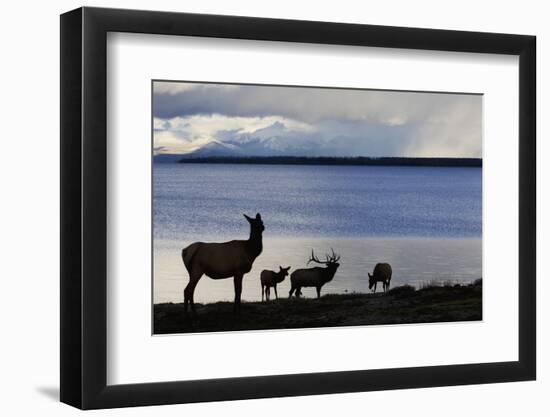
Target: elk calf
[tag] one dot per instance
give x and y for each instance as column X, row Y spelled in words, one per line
column 270, row 279
column 314, row 277
column 382, row 273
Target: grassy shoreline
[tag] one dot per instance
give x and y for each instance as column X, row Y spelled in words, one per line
column 400, row 305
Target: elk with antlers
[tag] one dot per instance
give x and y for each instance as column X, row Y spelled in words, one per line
column 222, row 260
column 316, row 276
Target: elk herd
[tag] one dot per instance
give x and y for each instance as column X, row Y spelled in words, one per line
column 236, row 257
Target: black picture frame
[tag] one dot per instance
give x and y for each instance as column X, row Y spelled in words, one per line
column 84, row 207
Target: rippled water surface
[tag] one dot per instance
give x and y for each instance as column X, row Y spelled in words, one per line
column 425, row 221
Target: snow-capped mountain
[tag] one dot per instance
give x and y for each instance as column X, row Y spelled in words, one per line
column 216, row 148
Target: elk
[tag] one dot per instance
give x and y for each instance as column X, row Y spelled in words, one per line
column 382, row 273
column 270, row 279
column 314, row 277
column 222, row 260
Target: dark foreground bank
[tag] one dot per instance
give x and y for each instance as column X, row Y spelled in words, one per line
column 399, row 305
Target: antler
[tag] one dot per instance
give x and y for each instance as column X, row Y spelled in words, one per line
column 313, row 258
column 333, row 258
column 329, row 259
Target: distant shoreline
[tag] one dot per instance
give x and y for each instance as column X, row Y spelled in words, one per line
column 356, row 161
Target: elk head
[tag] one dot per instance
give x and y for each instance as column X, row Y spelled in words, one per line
column 331, row 261
column 372, row 281
column 283, row 271
column 256, row 224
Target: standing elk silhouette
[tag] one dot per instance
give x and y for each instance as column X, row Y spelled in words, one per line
column 314, row 277
column 270, row 279
column 222, row 260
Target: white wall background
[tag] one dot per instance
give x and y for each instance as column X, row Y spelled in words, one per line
column 29, row 225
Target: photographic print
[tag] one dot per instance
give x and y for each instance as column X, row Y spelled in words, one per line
column 287, row 207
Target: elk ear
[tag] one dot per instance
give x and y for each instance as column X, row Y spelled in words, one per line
column 368, row 273
column 247, row 218
column 258, row 217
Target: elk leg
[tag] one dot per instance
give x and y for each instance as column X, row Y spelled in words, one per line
column 262, row 292
column 267, row 293
column 276, row 295
column 375, row 284
column 318, row 292
column 290, row 292
column 238, row 283
column 189, row 292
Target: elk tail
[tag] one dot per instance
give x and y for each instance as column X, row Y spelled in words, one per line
column 188, row 253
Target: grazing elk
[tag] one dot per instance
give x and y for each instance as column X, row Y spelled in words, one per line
column 270, row 279
column 314, row 277
column 222, row 260
column 382, row 272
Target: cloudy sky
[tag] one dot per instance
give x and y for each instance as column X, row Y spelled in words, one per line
column 266, row 120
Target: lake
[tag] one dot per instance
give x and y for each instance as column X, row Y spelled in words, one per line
column 425, row 221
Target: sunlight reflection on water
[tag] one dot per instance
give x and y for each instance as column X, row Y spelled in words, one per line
column 414, row 261
column 424, row 221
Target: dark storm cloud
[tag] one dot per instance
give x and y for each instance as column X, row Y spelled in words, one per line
column 341, row 122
